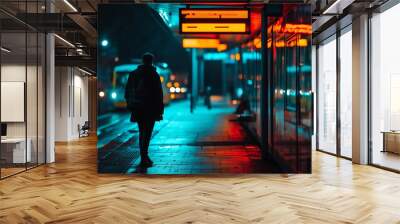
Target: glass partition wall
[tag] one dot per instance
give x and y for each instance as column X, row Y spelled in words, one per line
column 22, row 87
column 334, row 94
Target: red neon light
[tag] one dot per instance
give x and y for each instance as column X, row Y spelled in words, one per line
column 279, row 27
column 298, row 28
column 281, row 43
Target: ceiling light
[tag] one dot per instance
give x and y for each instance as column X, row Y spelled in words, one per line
column 84, row 71
column 101, row 94
column 70, row 5
column 5, row 50
column 337, row 7
column 64, row 40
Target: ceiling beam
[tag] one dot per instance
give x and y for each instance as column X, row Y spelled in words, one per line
column 81, row 61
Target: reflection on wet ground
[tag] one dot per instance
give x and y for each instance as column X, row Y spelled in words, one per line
column 183, row 143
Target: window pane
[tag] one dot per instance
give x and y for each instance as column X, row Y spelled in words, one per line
column 385, row 83
column 31, row 96
column 346, row 94
column 41, row 98
column 327, row 96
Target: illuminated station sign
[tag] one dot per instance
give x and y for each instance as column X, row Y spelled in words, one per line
column 229, row 21
column 200, row 43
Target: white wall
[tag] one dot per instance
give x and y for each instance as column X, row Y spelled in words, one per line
column 33, row 127
column 71, row 102
column 61, row 103
column 314, row 90
column 16, row 73
column 80, row 112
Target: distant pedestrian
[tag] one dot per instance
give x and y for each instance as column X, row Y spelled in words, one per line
column 144, row 97
column 244, row 105
column 207, row 97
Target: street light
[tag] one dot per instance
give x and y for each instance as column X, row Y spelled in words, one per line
column 114, row 95
column 101, row 94
column 104, row 43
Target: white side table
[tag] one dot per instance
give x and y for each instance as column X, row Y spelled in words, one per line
column 19, row 154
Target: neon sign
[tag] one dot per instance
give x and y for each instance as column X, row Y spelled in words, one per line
column 214, row 14
column 214, row 21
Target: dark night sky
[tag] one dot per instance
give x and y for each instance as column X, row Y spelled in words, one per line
column 135, row 29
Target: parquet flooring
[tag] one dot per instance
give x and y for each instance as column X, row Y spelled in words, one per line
column 71, row 191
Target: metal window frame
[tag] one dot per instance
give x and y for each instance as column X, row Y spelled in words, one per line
column 339, row 32
column 318, row 92
column 386, row 6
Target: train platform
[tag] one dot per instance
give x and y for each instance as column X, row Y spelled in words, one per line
column 206, row 141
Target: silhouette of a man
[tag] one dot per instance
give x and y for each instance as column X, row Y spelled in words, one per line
column 144, row 97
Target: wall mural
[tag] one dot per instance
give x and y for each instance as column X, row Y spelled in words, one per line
column 188, row 91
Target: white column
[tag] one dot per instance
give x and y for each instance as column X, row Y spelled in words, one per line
column 314, row 90
column 360, row 90
column 50, row 101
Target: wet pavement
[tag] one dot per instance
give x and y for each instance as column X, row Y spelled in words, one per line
column 203, row 142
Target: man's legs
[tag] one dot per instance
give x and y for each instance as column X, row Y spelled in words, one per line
column 148, row 133
column 145, row 132
column 141, row 135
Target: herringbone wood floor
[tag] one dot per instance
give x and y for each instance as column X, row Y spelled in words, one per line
column 71, row 191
